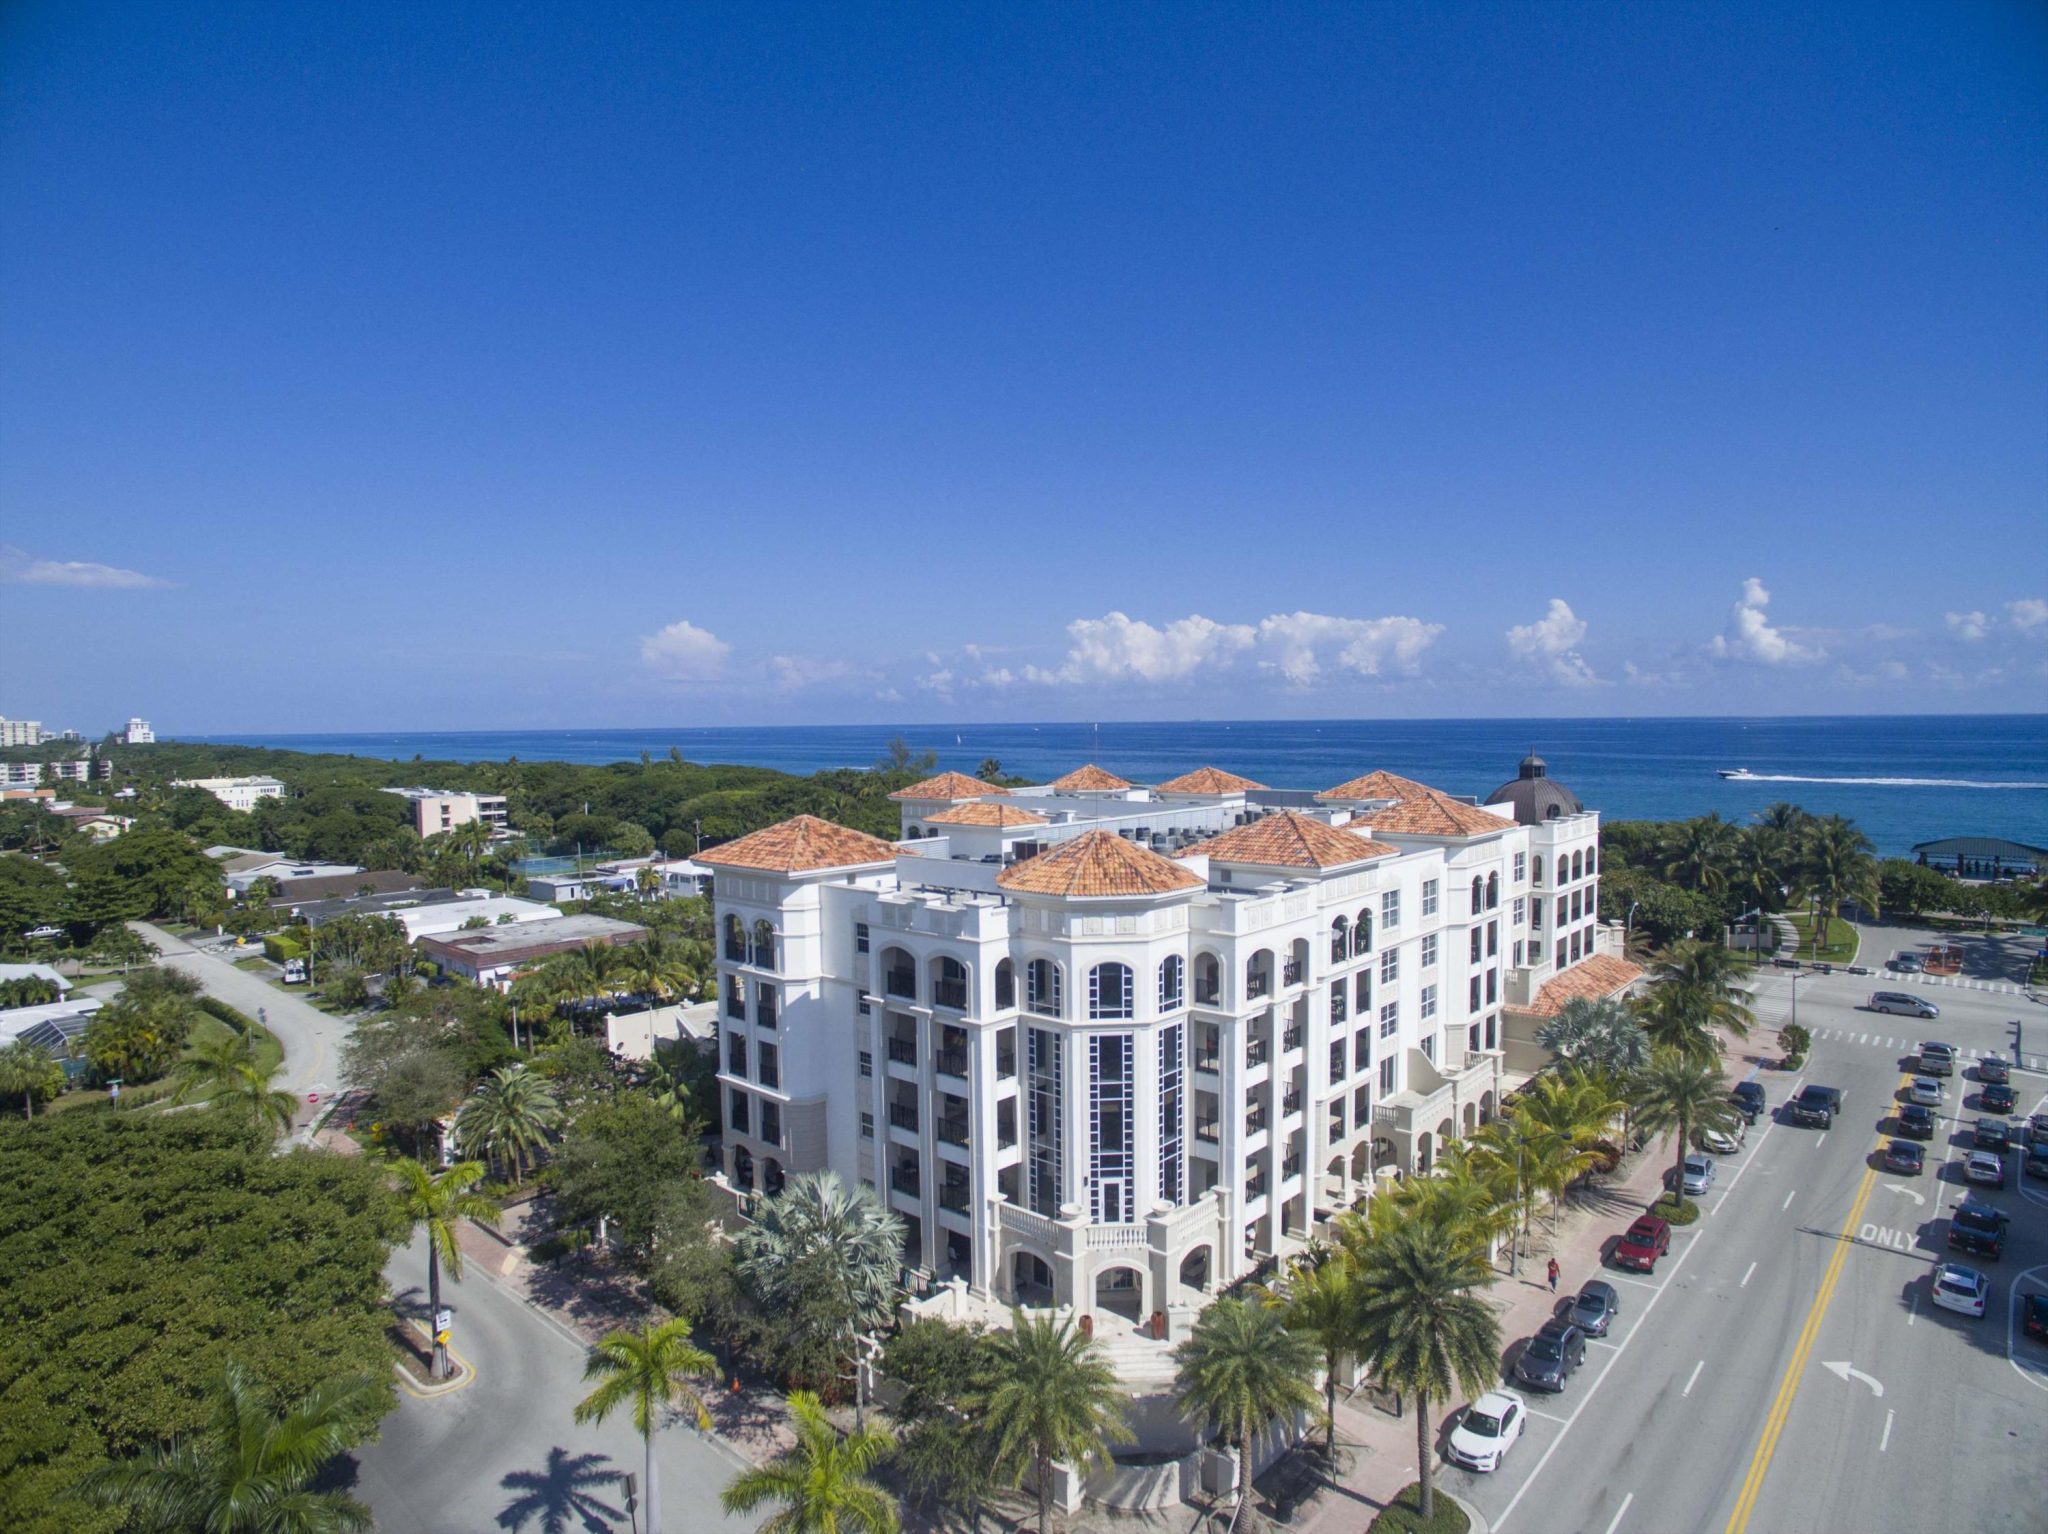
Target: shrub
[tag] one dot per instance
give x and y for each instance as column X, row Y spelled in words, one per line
column 281, row 948
column 1403, row 1515
column 1679, row 1211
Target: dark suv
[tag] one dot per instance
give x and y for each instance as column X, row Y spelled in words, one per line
column 1550, row 1356
column 1748, row 1097
column 1916, row 1122
column 1978, row 1229
column 1816, row 1105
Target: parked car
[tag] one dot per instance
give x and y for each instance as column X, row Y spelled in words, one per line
column 1904, row 1156
column 1595, row 1307
column 1697, row 1175
column 1993, row 1070
column 1642, row 1244
column 2034, row 1317
column 1548, row 1358
column 1721, row 1142
column 1998, row 1098
column 1978, row 1229
column 1992, row 1135
column 1748, row 1098
column 1905, row 963
column 1816, row 1105
column 2036, row 1164
column 1489, row 1428
column 1916, row 1122
column 1924, row 1090
column 1963, row 1290
column 1986, row 1168
column 2037, row 1129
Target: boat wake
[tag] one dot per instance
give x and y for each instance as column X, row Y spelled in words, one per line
column 1787, row 777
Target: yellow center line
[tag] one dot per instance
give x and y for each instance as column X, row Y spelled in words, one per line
column 1781, row 1406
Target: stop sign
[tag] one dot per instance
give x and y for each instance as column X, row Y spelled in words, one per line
column 312, row 1097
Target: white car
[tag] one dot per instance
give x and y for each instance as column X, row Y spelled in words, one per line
column 1699, row 1173
column 1489, row 1429
column 1926, row 1091
column 1721, row 1142
column 1963, row 1290
column 1986, row 1168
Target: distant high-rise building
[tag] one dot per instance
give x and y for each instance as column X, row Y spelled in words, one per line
column 139, row 733
column 20, row 732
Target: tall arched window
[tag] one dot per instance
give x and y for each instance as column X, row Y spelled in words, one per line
column 1564, row 869
column 1478, row 893
column 1578, row 864
column 1172, row 977
column 1493, row 889
column 1361, row 933
column 1110, row 991
column 764, row 945
column 735, row 939
column 899, row 974
column 1006, row 985
column 1042, row 987
column 1340, row 940
column 949, row 983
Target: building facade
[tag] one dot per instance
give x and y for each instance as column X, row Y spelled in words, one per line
column 435, row 811
column 236, row 793
column 1112, row 1046
column 138, row 733
column 20, row 732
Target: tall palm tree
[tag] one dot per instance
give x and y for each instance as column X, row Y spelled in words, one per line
column 1531, row 1157
column 1671, row 1019
column 1317, row 1302
column 510, row 1114
column 249, row 1469
column 1053, row 1396
column 1786, row 819
column 439, row 1203
column 1241, row 1368
column 659, row 967
column 647, row 1370
column 668, row 1083
column 1466, row 1192
column 224, row 1073
column 1685, row 1093
column 1839, row 864
column 1709, row 989
column 1599, row 1032
column 28, row 1072
column 1422, row 1328
column 826, row 1253
column 1700, row 852
column 821, row 1482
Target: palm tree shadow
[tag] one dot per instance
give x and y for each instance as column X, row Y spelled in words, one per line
column 560, row 1493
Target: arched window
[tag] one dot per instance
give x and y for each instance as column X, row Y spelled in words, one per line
column 1110, row 992
column 1208, row 980
column 899, row 974
column 1493, row 889
column 1564, row 869
column 949, row 983
column 735, row 939
column 1042, row 987
column 1361, row 933
column 1340, row 940
column 1006, row 985
column 1172, row 976
column 1578, row 864
column 764, row 945
column 1478, row 893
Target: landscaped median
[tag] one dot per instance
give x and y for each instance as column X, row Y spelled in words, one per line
column 1404, row 1514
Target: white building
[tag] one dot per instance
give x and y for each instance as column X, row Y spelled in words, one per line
column 1109, row 1046
column 20, row 732
column 433, row 919
column 79, row 769
column 139, row 733
column 235, row 793
column 494, row 955
column 436, row 810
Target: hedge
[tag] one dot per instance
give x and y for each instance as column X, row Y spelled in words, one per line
column 278, row 947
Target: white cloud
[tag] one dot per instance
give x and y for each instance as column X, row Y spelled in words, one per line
column 1119, row 648
column 2028, row 614
column 1552, row 642
column 1749, row 635
column 795, row 672
column 682, row 652
column 1290, row 643
column 19, row 567
column 1969, row 627
column 940, row 681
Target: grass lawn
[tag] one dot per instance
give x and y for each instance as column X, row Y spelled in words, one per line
column 1838, row 945
column 207, row 1029
column 1403, row 1515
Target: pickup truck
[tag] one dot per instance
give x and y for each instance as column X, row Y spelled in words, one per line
column 1978, row 1229
column 1815, row 1105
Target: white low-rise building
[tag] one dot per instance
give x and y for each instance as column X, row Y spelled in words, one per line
column 235, row 793
column 495, row 955
column 1110, row 1046
column 436, row 810
column 481, row 910
column 138, row 733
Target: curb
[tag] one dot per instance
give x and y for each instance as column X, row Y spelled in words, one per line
column 1479, row 1523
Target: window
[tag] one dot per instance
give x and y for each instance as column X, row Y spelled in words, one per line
column 1478, row 894
column 860, row 1005
column 770, row 1067
column 1472, row 1040
column 1387, row 1075
column 867, row 1126
column 1564, row 869
column 1361, row 992
column 1560, row 953
column 1428, row 1002
column 1563, row 906
column 1336, row 1060
column 1390, row 909
column 1429, row 897
column 1578, row 865
column 1042, row 988
column 1519, row 949
column 735, row 997
column 736, row 1112
column 1361, row 933
column 1521, row 867
column 771, row 1123
column 1045, row 1069
column 1539, row 870
column 1340, row 940
column 1519, row 912
column 1361, row 1049
column 1429, row 1047
column 1340, row 996
column 867, row 1063
column 1109, row 1113
column 1493, row 889
column 1536, row 914
column 1006, row 985
column 1172, row 1046
column 949, row 984
column 1390, row 966
column 1492, row 986
column 1472, row 1004
column 735, row 1055
column 1109, row 991
column 1390, row 1019
column 1427, row 958
column 1476, row 940
column 1578, row 904
column 1172, row 979
column 1492, row 939
column 860, row 937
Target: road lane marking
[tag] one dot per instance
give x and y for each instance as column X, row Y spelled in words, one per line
column 1640, row 1283
column 1694, row 1379
column 1912, row 1307
column 1547, row 1416
column 1885, row 1442
column 1817, row 1144
column 1788, row 1201
column 1619, row 1511
column 1746, row 1276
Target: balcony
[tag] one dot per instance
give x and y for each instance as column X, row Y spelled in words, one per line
column 953, row 1131
column 1255, row 1187
column 771, row 1075
column 764, row 1013
column 903, row 1051
column 900, row 982
column 950, row 994
column 1290, row 972
column 736, row 950
column 953, row 1062
column 1208, row 1130
column 1255, row 1120
column 903, row 1116
column 1256, row 1053
column 1208, row 993
column 953, row 1196
column 904, row 1179
column 1258, row 984
column 1291, row 1039
column 1290, row 1100
column 735, row 1003
column 1006, row 1061
column 1290, row 1168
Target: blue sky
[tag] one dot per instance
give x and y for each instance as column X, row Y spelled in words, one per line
column 520, row 365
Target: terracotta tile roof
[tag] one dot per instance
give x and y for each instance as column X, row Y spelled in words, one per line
column 975, row 813
column 1591, row 979
column 1434, row 814
column 1094, row 866
column 1376, row 785
column 949, row 785
column 1090, row 777
column 801, row 844
column 1208, row 780
column 1290, row 840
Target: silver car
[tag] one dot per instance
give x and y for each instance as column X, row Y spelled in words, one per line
column 1926, row 1091
column 1699, row 1173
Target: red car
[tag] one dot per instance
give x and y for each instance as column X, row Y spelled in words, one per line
column 1647, row 1240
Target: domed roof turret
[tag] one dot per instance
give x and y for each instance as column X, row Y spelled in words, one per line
column 1536, row 795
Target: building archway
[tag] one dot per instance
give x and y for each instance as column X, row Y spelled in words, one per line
column 1424, row 1146
column 1197, row 1268
column 1486, row 1107
column 1121, row 1292
column 742, row 1169
column 771, row 1177
column 1031, row 1280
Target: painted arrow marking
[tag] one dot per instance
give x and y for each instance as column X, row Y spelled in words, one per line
column 1899, row 1187
column 1846, row 1372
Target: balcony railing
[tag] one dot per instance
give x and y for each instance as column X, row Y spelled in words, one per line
column 1291, row 1039
column 953, row 1196
column 904, row 1179
column 736, row 950
column 1006, row 1063
column 1254, row 1121
column 771, row 1076
column 1291, row 1167
column 1256, row 1052
column 953, row 1062
column 1290, row 972
column 735, row 1005
column 1255, row 1187
column 1290, row 1100
column 903, row 1051
column 951, row 994
column 953, row 1131
column 901, row 982
column 903, row 1115
column 1208, row 993
column 1258, row 983
column 764, row 1014
column 1208, row 1129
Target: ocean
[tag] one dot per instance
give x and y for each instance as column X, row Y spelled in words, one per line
column 1903, row 780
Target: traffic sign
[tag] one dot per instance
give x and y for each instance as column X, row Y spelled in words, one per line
column 443, row 1319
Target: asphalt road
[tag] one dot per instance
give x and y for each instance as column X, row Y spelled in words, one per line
column 312, row 1039
column 1712, row 1406
column 503, row 1453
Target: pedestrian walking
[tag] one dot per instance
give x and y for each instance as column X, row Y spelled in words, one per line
column 1553, row 1275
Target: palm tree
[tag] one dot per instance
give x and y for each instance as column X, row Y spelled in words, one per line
column 1700, row 853
column 440, row 1203
column 1317, row 1302
column 1054, row 1396
column 1671, row 1020
column 511, row 1113
column 820, row 1483
column 1467, row 1193
column 648, row 882
column 1600, row 1032
column 646, row 1370
column 1839, row 865
column 824, row 1254
column 659, row 967
column 1686, row 1093
column 1530, row 1156
column 248, row 1470
column 1422, row 1328
column 1239, row 1370
column 668, row 1083
column 1786, row 819
column 1709, row 995
column 28, row 1072
column 225, row 1074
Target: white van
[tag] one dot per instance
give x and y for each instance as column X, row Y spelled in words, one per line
column 1902, row 1004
